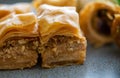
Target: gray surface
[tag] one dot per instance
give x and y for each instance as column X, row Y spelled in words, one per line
column 103, row 62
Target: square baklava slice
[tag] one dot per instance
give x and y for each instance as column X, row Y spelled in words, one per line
column 19, row 42
column 62, row 41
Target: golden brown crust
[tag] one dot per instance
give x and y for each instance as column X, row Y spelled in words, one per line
column 58, row 21
column 115, row 29
column 86, row 16
column 37, row 3
column 6, row 17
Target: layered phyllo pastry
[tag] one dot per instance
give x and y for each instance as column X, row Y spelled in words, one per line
column 18, row 42
column 62, row 41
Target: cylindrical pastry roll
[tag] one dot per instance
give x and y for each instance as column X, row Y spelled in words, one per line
column 37, row 3
column 96, row 21
column 116, row 29
column 18, row 42
column 62, row 42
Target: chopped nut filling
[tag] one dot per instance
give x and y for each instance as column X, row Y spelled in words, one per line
column 62, row 43
column 16, row 47
column 62, row 50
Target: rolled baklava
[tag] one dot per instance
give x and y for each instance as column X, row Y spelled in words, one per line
column 18, row 42
column 62, row 41
column 116, row 29
column 96, row 19
column 37, row 3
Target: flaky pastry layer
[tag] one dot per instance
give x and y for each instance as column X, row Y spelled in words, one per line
column 58, row 21
column 21, row 25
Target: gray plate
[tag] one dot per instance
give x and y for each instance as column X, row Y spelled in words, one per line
column 103, row 62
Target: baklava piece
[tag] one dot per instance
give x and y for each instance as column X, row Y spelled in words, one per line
column 62, row 42
column 18, row 42
column 37, row 3
column 96, row 19
column 116, row 29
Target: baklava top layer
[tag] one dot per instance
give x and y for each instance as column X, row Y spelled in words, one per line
column 55, row 20
column 19, row 25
